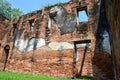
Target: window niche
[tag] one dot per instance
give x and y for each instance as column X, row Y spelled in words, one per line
column 14, row 28
column 31, row 25
column 82, row 20
column 82, row 14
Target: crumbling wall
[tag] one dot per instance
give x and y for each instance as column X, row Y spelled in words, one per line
column 39, row 49
column 41, row 44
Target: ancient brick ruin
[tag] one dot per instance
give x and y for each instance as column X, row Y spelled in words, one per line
column 52, row 41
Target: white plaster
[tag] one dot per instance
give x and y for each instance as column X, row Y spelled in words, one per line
column 77, row 55
column 28, row 45
column 60, row 45
column 80, row 45
column 49, row 22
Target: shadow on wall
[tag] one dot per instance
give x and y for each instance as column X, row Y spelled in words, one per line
column 65, row 21
column 102, row 59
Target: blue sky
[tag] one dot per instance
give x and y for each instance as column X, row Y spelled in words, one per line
column 82, row 16
column 32, row 5
column 27, row 6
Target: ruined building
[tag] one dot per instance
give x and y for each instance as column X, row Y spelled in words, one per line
column 54, row 41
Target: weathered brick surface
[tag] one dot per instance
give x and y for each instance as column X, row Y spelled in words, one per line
column 43, row 61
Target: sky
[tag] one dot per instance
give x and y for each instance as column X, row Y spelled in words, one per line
column 31, row 5
column 82, row 16
column 27, row 6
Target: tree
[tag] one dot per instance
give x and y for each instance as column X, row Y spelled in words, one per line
column 15, row 12
column 6, row 10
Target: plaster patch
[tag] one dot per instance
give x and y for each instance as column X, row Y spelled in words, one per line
column 59, row 45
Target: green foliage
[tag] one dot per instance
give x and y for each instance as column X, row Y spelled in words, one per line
column 20, row 76
column 15, row 12
column 89, row 45
column 6, row 10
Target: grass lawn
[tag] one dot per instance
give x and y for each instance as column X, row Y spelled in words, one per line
column 20, row 76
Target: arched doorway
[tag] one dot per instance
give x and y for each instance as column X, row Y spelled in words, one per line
column 6, row 51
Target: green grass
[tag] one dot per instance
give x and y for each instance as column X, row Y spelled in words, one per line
column 20, row 76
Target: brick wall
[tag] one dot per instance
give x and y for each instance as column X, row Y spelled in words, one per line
column 49, row 59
